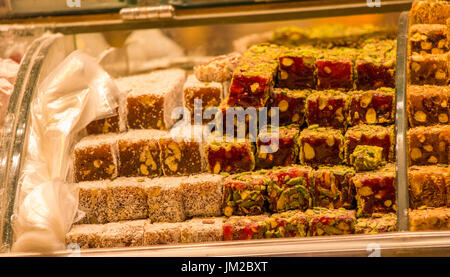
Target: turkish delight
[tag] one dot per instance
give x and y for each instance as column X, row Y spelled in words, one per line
column 372, row 107
column 375, row 135
column 428, row 105
column 93, row 201
column 366, row 158
column 322, row 222
column 378, row 223
column 320, row 145
column 428, row 145
column 244, row 227
column 286, row 225
column 180, row 155
column 219, row 69
column 429, row 12
column 290, row 188
column 139, row 153
column 429, row 69
column 335, row 68
column 427, row 186
column 95, row 158
column 277, row 148
column 161, row 233
column 327, row 109
column 244, row 193
column 229, row 156
column 428, row 39
column 152, row 97
column 291, row 105
column 429, row 219
column 297, row 68
column 202, row 230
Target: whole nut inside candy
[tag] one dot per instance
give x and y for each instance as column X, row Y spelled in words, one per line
column 420, row 116
column 416, row 154
column 309, row 151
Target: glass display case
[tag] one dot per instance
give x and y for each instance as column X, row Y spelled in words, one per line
column 184, row 34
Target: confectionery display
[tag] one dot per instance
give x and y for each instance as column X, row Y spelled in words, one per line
column 429, row 219
column 291, row 105
column 327, row 109
column 378, row 223
column 322, row 222
column 428, row 145
column 428, row 105
column 366, row 157
column 372, row 107
column 321, row 145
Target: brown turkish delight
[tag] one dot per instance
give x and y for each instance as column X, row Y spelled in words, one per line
column 375, row 191
column 428, row 105
column 366, row 158
column 152, row 97
column 372, row 107
column 429, row 69
column 327, row 109
column 322, row 222
column 428, row 145
column 320, row 145
column 277, row 148
column 290, row 104
column 161, row 233
column 427, row 186
column 139, row 153
column 375, row 135
column 95, row 158
column 93, row 201
column 429, row 12
column 429, row 219
column 180, row 155
column 428, row 39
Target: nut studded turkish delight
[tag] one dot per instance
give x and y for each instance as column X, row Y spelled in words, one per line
column 429, row 69
column 93, row 201
column 297, row 68
column 375, row 135
column 327, row 109
column 428, row 39
column 375, row 65
column 290, row 188
column 180, row 155
column 254, row 77
column 219, row 69
column 161, row 233
column 322, row 222
column 202, row 230
column 229, row 156
column 321, row 146
column 85, row 235
column 95, row 158
column 244, row 227
column 375, row 191
column 202, row 195
column 366, row 157
column 286, row 225
column 427, row 186
column 428, row 105
column 429, row 12
column 378, row 223
column 332, row 187
column 152, row 97
column 429, row 219
column 335, row 68
column 277, row 148
column 428, row 145
column 372, row 107
column 205, row 94
column 103, row 126
column 291, row 105
column 139, row 153
column 244, row 193
column 236, row 122
column 165, row 199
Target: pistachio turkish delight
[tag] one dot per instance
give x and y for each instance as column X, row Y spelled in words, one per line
column 323, row 222
column 428, row 145
column 286, row 225
column 95, row 158
column 245, row 193
column 375, row 65
column 428, row 39
column 297, row 68
column 427, row 186
column 372, row 107
column 428, row 105
column 152, row 97
column 277, row 148
column 290, row 188
column 327, row 109
column 378, row 223
column 180, row 156
column 321, row 146
column 429, row 219
column 428, row 69
column 244, row 227
column 375, row 135
column 366, row 157
column 290, row 104
column 429, row 12
column 375, row 191
column 332, row 188
column 335, row 68
column 229, row 156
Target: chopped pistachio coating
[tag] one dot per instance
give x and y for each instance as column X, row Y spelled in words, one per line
column 286, row 225
column 429, row 12
column 286, row 142
column 323, row 222
column 332, row 188
column 335, row 68
column 427, row 186
column 244, row 227
column 244, row 193
column 366, row 157
column 289, row 188
column 427, row 219
column 321, row 146
column 378, row 223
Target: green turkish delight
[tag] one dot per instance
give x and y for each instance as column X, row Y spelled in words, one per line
column 323, row 222
column 286, row 225
column 366, row 157
column 378, row 223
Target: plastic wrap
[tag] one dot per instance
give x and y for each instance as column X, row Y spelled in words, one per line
column 75, row 93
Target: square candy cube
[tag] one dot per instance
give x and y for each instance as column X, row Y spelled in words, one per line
column 327, row 109
column 291, row 105
column 428, row 145
column 428, row 105
column 229, row 156
column 428, row 39
column 429, row 69
column 429, row 219
column 297, row 68
column 372, row 106
column 427, row 186
column 366, row 158
column 335, row 68
column 323, row 222
column 287, row 225
column 321, row 146
column 244, row 227
column 378, row 223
